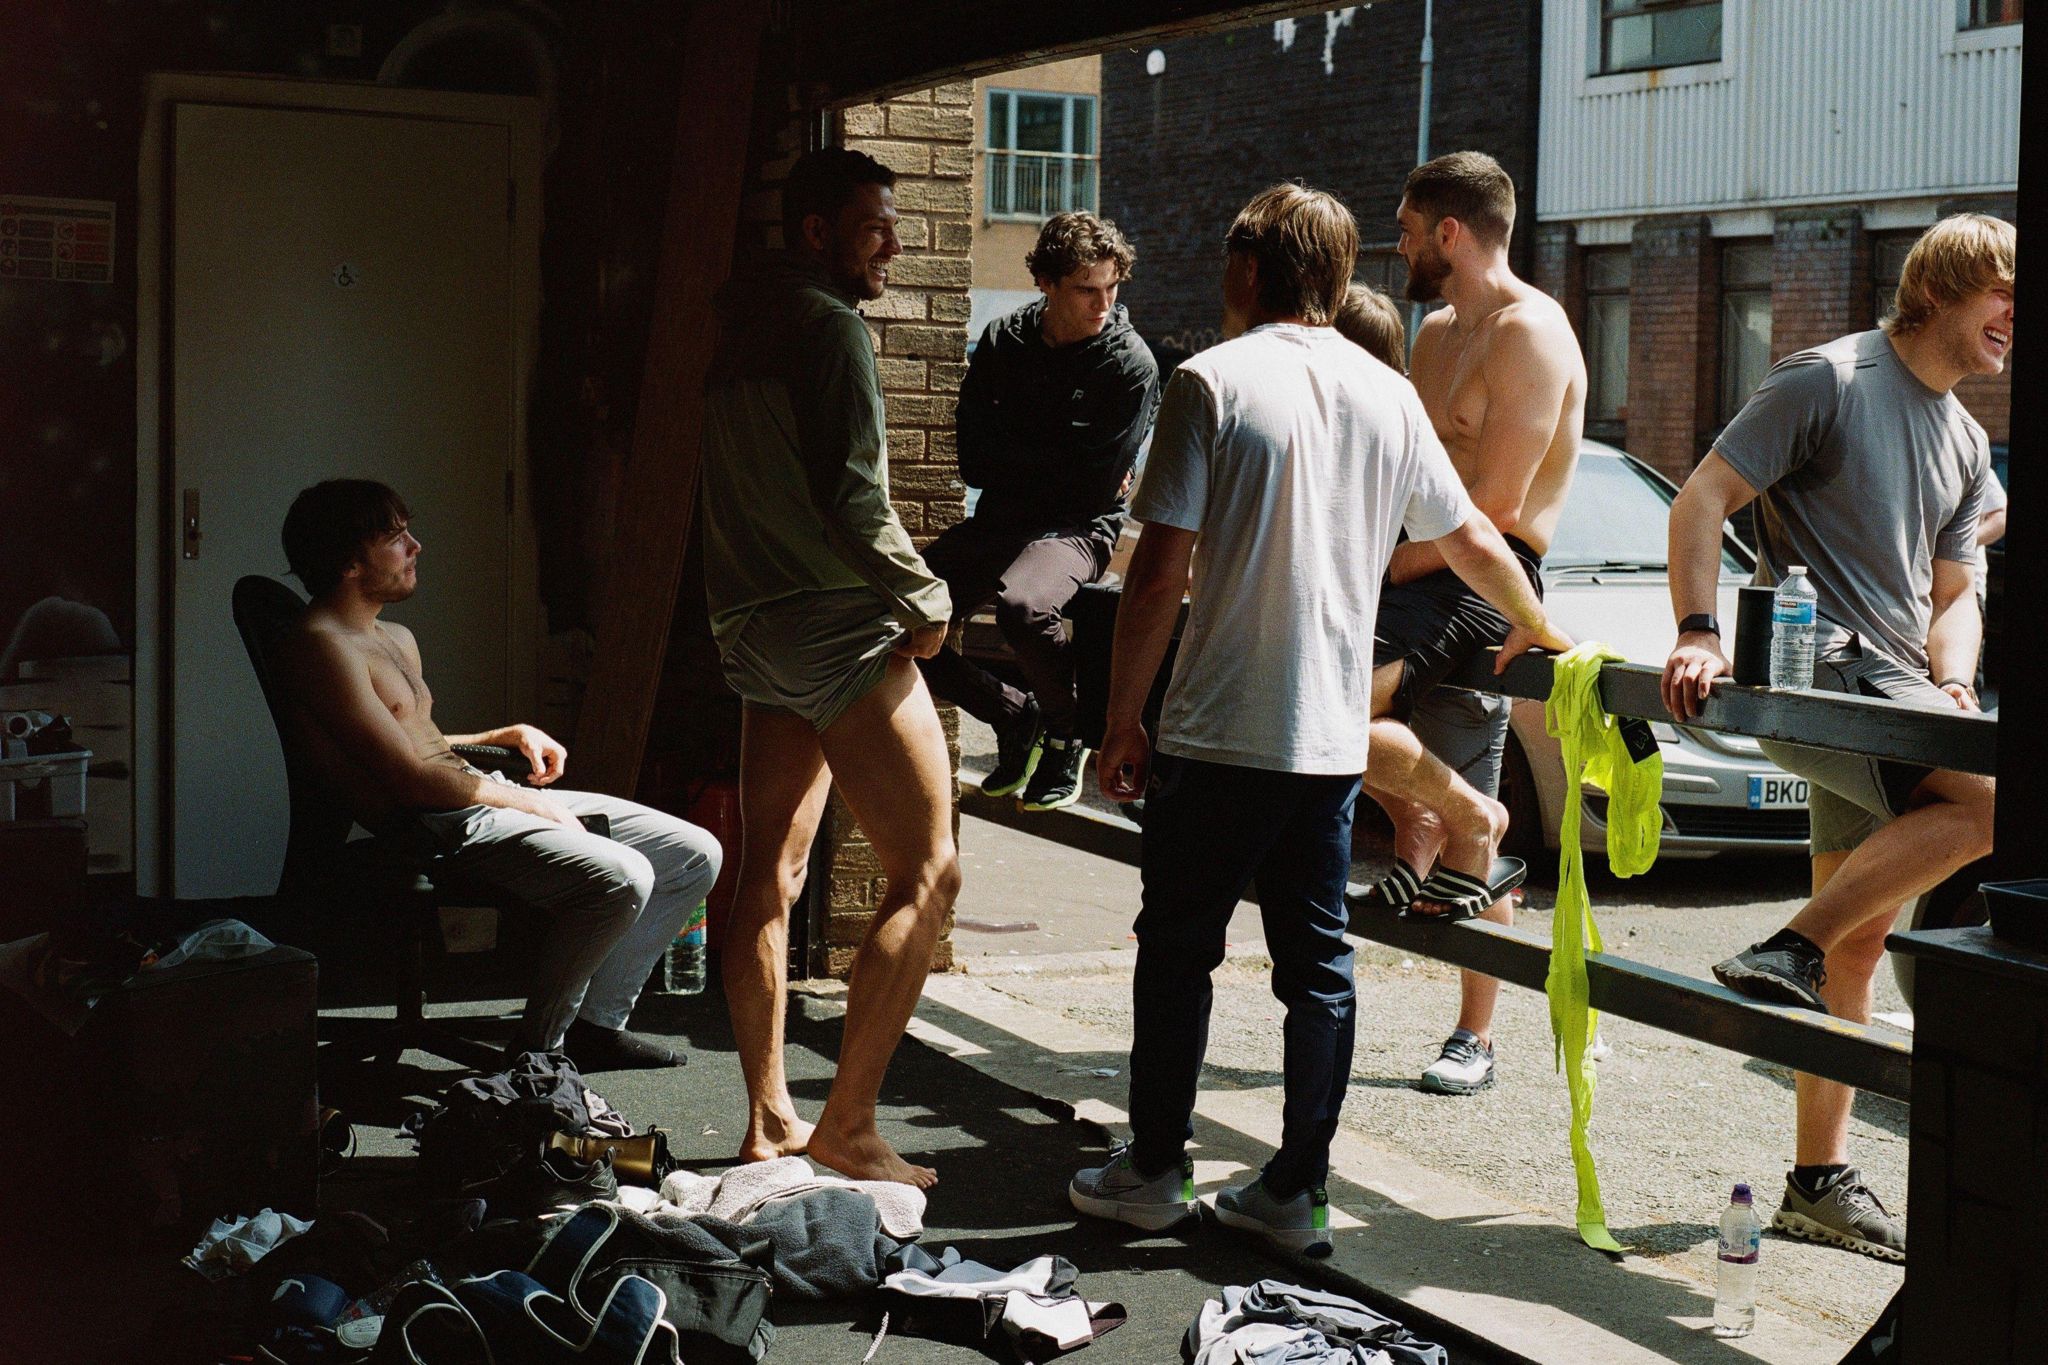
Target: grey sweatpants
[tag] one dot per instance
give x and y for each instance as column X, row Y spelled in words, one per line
column 613, row 903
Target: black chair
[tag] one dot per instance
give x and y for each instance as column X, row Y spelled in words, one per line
column 389, row 878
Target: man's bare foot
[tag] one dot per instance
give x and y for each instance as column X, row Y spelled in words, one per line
column 1471, row 842
column 772, row 1135
column 863, row 1155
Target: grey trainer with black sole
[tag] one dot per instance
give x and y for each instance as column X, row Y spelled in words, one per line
column 1778, row 974
column 1846, row 1214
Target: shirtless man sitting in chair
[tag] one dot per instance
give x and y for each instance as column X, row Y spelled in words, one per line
column 356, row 702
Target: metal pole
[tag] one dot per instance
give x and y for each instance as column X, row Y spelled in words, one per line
column 1422, row 128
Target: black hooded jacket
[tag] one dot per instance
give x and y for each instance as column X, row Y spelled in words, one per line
column 1049, row 434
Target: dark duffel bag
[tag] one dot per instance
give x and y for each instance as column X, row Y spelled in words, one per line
column 714, row 1276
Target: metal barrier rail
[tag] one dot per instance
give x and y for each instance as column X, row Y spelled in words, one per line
column 1961, row 741
column 1868, row 1058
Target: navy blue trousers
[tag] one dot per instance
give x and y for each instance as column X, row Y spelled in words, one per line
column 1211, row 830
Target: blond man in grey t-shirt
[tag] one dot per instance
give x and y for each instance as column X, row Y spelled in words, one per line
column 1868, row 472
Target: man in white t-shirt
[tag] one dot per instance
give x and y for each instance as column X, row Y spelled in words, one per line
column 1284, row 464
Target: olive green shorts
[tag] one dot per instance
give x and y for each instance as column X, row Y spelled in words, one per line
column 813, row 654
column 1851, row 796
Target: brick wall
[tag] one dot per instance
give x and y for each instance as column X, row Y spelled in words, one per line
column 1820, row 278
column 920, row 330
column 1672, row 342
column 1556, row 270
column 1233, row 112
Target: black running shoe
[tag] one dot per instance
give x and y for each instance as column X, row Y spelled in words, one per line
column 1057, row 783
column 1017, row 753
column 1783, row 970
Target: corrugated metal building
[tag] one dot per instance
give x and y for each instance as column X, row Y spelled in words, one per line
column 1722, row 182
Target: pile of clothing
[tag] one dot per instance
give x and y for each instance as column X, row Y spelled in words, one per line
column 553, row 1231
column 1273, row 1323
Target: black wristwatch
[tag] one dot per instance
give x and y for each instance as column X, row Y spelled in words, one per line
column 1698, row 621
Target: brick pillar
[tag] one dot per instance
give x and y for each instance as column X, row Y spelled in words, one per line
column 1820, row 278
column 1557, row 270
column 920, row 331
column 1672, row 342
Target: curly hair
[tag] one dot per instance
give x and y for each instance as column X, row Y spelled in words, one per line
column 1076, row 241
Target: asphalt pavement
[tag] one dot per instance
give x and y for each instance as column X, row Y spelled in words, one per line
column 1046, row 929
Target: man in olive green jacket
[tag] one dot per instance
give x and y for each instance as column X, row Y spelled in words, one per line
column 819, row 604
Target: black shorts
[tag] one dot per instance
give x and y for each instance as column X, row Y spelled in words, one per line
column 1436, row 623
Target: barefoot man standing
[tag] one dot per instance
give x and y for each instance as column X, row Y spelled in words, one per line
column 820, row 604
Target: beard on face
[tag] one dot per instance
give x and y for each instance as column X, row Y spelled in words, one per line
column 851, row 271
column 1426, row 276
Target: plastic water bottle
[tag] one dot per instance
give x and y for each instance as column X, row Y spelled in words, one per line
column 1735, row 1276
column 1793, row 610
column 682, row 966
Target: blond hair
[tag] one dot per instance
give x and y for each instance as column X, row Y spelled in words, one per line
column 1963, row 254
column 1306, row 244
column 1369, row 319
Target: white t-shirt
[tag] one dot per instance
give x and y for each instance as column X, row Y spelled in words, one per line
column 1296, row 457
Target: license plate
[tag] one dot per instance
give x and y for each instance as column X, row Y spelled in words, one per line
column 1776, row 791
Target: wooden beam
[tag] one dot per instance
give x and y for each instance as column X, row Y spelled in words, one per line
column 658, row 494
column 858, row 51
column 2022, row 649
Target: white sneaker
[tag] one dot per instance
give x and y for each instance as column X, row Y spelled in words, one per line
column 1299, row 1224
column 1464, row 1067
column 1116, row 1190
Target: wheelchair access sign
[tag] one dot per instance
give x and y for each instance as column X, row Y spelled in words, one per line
column 1776, row 791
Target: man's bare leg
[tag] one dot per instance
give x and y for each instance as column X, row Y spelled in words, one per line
column 1823, row 1107
column 888, row 756
column 1401, row 767
column 783, row 786
column 1903, row 858
column 1418, row 840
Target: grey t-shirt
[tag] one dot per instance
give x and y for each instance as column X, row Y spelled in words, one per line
column 1866, row 477
column 1295, row 457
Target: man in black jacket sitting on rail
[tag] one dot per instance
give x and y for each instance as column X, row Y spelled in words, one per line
column 1056, row 402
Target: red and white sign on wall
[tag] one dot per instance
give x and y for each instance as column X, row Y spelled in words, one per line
column 56, row 239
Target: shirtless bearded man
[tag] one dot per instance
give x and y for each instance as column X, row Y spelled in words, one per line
column 1500, row 375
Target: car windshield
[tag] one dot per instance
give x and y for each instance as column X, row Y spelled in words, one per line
column 1616, row 519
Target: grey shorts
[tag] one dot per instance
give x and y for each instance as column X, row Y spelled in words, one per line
column 1852, row 795
column 1467, row 730
column 813, row 654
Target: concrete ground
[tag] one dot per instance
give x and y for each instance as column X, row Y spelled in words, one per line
column 1676, row 1123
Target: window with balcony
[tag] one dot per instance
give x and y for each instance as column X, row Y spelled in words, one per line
column 1636, row 35
column 1607, row 273
column 1040, row 159
column 1745, row 322
column 1988, row 13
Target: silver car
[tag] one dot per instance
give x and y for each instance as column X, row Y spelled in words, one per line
column 1605, row 580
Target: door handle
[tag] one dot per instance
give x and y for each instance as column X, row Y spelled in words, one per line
column 192, row 534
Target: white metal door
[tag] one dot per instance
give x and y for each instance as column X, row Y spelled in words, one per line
column 340, row 305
